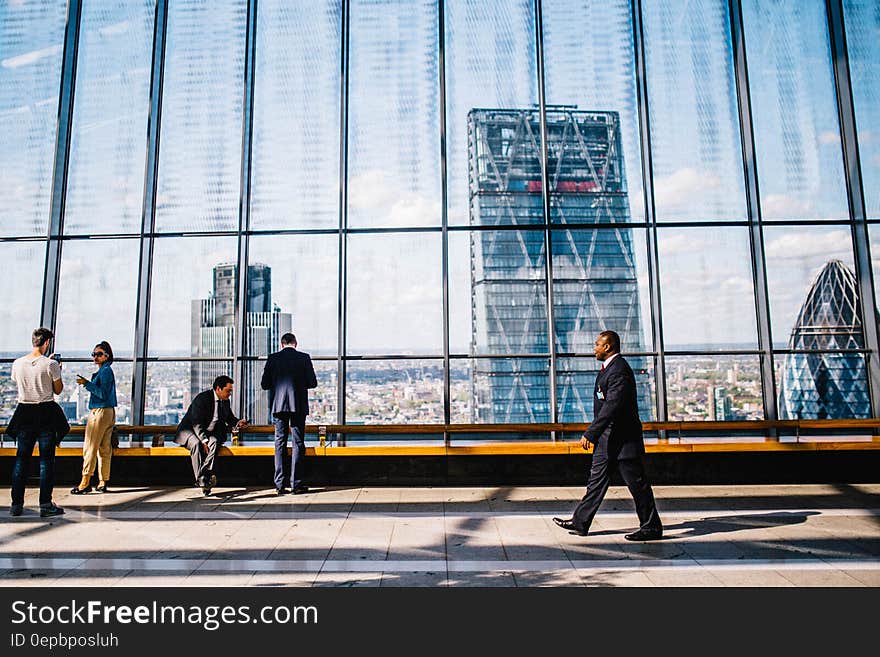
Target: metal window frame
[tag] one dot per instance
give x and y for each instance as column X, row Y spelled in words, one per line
column 858, row 221
column 855, row 193
column 52, row 265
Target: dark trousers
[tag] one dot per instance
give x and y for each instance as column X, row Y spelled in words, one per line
column 26, row 442
column 633, row 473
column 295, row 426
column 202, row 463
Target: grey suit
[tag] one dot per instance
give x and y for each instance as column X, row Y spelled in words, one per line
column 288, row 376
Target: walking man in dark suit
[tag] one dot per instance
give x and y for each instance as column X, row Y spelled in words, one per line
column 205, row 427
column 616, row 433
column 288, row 375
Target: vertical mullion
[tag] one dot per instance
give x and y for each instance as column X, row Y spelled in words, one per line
column 756, row 238
column 855, row 194
column 545, row 197
column 444, row 216
column 148, row 218
column 244, row 215
column 342, row 311
column 52, row 269
column 650, row 215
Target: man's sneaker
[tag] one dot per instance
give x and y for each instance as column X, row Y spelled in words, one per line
column 51, row 510
column 16, row 509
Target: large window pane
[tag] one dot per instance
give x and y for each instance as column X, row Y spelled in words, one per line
column 295, row 176
column 293, row 286
column 500, row 390
column 589, row 63
column 576, row 379
column 171, row 387
column 714, row 387
column 394, row 392
column 192, row 308
column 697, row 156
column 97, row 296
column 862, row 18
column 490, row 64
column 498, row 292
column 395, row 294
column 74, row 399
column 707, row 289
column 23, row 265
column 322, row 400
column 105, row 182
column 600, row 282
column 200, row 147
column 811, row 277
column 822, row 386
column 31, row 45
column 794, row 110
column 394, row 114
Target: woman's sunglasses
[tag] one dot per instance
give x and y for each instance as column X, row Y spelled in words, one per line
column 95, row 354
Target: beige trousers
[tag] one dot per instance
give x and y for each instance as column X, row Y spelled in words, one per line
column 99, row 428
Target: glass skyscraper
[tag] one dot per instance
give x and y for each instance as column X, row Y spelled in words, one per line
column 594, row 272
column 830, row 382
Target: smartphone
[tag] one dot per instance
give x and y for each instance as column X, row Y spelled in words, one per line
column 56, row 357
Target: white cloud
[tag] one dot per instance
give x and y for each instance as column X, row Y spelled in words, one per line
column 681, row 187
column 783, row 206
column 865, row 136
column 29, row 57
column 819, row 243
column 829, row 137
column 369, row 191
column 115, row 28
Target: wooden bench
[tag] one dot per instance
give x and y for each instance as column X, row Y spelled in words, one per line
column 481, row 440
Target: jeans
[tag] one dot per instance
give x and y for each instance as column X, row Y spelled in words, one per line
column 26, row 441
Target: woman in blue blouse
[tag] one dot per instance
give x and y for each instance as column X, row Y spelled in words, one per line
column 102, row 418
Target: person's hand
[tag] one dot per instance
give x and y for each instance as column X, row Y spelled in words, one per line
column 585, row 443
column 204, row 446
column 80, row 380
column 242, row 424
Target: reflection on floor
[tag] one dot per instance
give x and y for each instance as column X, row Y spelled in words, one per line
column 816, row 535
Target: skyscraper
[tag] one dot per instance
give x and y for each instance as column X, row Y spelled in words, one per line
column 213, row 329
column 594, row 273
column 827, row 385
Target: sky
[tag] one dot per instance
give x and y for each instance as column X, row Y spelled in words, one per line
column 394, row 291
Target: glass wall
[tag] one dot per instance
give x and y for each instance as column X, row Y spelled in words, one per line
column 445, row 201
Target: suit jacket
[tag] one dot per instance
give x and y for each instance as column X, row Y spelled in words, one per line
column 616, row 430
column 199, row 415
column 288, row 376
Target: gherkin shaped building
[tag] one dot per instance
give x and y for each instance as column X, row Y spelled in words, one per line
column 827, row 384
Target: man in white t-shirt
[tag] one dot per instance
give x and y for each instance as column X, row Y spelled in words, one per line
column 37, row 421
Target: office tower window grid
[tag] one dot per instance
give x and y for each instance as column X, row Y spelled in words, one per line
column 367, row 222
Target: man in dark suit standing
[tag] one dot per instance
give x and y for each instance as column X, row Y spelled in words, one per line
column 616, row 433
column 204, row 428
column 288, row 375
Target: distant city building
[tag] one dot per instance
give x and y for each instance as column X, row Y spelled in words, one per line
column 213, row 332
column 594, row 271
column 720, row 406
column 827, row 385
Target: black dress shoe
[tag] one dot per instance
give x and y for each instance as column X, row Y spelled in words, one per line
column 645, row 535
column 299, row 490
column 101, row 488
column 76, row 490
column 570, row 526
column 281, row 491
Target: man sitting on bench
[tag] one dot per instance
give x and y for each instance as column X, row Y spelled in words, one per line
column 204, row 428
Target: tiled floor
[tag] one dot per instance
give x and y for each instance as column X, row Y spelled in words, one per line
column 818, row 535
